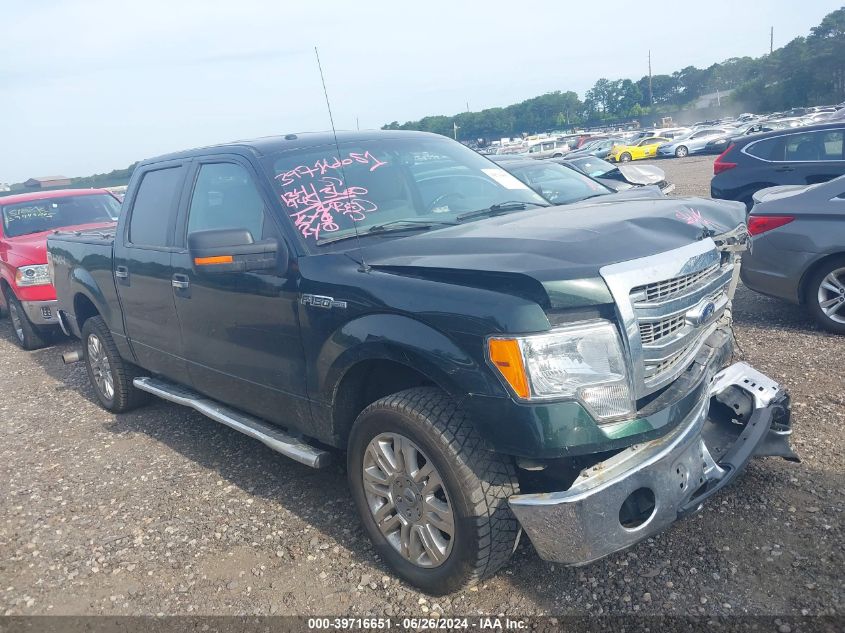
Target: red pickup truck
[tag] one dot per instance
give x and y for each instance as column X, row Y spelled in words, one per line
column 25, row 222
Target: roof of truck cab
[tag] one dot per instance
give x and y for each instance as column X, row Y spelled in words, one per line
column 300, row 140
column 29, row 196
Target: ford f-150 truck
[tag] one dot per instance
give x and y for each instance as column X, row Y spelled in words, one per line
column 490, row 364
column 26, row 219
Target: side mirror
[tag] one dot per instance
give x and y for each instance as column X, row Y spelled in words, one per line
column 235, row 250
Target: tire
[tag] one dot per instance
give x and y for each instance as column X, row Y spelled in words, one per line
column 826, row 292
column 110, row 376
column 682, row 152
column 625, row 157
column 558, row 155
column 476, row 484
column 27, row 335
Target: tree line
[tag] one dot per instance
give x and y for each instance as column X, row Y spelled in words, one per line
column 806, row 71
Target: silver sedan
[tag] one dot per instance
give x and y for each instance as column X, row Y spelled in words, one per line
column 797, row 248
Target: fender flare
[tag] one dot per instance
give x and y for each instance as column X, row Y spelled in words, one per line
column 83, row 283
column 406, row 341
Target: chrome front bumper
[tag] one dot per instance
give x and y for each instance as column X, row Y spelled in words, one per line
column 645, row 488
column 41, row 312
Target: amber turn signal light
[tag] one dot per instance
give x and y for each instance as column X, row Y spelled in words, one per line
column 209, row 261
column 507, row 358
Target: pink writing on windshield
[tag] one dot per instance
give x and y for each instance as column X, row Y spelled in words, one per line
column 324, row 165
column 318, row 201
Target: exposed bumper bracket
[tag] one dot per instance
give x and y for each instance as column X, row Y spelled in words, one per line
column 645, row 488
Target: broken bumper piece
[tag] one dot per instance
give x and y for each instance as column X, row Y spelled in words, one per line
column 645, row 488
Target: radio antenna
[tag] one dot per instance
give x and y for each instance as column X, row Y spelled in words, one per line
column 364, row 268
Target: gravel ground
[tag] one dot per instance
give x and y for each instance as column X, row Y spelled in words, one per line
column 163, row 511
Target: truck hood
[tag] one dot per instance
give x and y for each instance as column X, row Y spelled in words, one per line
column 558, row 243
column 32, row 249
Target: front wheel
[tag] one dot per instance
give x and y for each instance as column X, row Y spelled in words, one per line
column 826, row 295
column 27, row 335
column 625, row 157
column 110, row 375
column 681, row 152
column 431, row 494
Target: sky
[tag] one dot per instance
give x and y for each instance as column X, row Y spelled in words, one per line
column 87, row 86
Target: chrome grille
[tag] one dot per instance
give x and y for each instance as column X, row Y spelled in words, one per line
column 664, row 302
column 668, row 288
column 668, row 363
column 651, row 331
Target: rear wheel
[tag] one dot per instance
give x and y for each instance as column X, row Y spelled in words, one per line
column 681, row 152
column 826, row 295
column 431, row 494
column 27, row 335
column 625, row 157
column 110, row 375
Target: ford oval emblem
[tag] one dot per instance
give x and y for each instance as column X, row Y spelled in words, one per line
column 706, row 312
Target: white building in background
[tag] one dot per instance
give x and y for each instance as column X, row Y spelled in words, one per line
column 4, row 187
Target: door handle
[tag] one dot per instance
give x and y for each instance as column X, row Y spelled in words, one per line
column 784, row 168
column 121, row 272
column 180, row 281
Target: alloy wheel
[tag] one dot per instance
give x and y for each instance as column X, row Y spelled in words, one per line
column 831, row 295
column 408, row 500
column 100, row 366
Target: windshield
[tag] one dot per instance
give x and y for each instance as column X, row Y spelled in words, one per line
column 36, row 216
column 593, row 166
column 328, row 194
column 558, row 184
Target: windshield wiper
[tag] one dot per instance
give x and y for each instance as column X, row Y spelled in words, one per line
column 404, row 225
column 390, row 227
column 592, row 195
column 495, row 209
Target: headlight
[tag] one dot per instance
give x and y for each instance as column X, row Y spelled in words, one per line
column 32, row 275
column 583, row 361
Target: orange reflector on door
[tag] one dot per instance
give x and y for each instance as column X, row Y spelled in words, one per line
column 507, row 358
column 217, row 259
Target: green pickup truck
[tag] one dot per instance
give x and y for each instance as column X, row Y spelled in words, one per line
column 489, row 363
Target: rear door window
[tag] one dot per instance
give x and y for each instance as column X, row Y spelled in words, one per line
column 154, row 207
column 814, row 146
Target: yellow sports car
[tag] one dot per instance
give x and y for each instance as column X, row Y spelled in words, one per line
column 644, row 148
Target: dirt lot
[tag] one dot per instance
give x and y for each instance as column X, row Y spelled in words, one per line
column 164, row 511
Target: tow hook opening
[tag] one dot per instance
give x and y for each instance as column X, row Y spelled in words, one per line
column 637, row 508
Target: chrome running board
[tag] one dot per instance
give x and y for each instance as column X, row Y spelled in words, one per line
column 269, row 435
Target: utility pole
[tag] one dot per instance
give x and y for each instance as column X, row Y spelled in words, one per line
column 455, row 128
column 467, row 106
column 650, row 93
column 771, row 39
column 357, row 124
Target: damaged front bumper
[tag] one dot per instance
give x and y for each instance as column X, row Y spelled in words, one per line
column 645, row 488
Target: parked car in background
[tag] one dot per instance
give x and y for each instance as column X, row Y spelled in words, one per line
column 559, row 184
column 644, row 148
column 803, row 156
column 599, row 147
column 27, row 219
column 720, row 143
column 692, row 143
column 798, row 248
column 548, row 149
column 621, row 176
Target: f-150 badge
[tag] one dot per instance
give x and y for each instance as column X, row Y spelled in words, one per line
column 318, row 301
